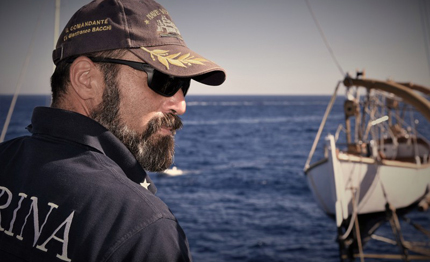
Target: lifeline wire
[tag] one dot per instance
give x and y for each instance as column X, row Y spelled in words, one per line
column 324, row 38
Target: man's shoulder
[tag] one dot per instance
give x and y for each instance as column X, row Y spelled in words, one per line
column 61, row 164
column 12, row 143
column 80, row 190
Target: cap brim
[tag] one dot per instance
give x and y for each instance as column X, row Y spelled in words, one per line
column 181, row 62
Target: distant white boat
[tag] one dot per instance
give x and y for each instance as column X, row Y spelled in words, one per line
column 174, row 171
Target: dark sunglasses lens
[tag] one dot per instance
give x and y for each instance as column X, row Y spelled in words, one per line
column 167, row 85
column 186, row 86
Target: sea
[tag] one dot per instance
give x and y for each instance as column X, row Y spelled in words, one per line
column 243, row 195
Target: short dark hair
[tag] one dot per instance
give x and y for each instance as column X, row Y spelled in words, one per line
column 60, row 79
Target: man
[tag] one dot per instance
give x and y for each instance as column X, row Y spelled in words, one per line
column 76, row 189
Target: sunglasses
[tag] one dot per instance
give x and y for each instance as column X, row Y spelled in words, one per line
column 159, row 82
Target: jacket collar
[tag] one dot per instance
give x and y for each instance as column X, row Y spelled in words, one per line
column 83, row 130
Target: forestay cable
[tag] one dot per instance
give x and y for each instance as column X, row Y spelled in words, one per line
column 324, row 38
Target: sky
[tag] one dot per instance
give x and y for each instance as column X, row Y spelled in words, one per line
column 268, row 47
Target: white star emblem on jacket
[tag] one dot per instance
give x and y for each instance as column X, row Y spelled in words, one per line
column 145, row 184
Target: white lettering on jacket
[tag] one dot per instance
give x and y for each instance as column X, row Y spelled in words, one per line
column 19, row 218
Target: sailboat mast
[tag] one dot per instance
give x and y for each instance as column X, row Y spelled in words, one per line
column 57, row 22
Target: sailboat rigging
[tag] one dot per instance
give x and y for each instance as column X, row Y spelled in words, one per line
column 26, row 63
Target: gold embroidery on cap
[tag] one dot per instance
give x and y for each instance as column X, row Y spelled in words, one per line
column 174, row 59
column 165, row 26
column 86, row 27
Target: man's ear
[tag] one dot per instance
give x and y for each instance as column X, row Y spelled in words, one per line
column 86, row 79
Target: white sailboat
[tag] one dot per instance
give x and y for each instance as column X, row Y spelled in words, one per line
column 382, row 170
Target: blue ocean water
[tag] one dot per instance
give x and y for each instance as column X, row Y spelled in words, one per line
column 244, row 196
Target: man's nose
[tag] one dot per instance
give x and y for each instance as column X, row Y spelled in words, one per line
column 177, row 103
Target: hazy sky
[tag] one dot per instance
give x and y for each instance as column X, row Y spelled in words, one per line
column 267, row 47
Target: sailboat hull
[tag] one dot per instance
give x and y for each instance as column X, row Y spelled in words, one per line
column 365, row 183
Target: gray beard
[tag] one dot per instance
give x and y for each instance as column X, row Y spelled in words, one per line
column 153, row 152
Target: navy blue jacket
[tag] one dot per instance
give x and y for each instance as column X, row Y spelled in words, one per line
column 73, row 192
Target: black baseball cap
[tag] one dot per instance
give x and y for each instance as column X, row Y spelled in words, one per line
column 143, row 27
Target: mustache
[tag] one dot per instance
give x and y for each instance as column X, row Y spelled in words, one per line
column 168, row 120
